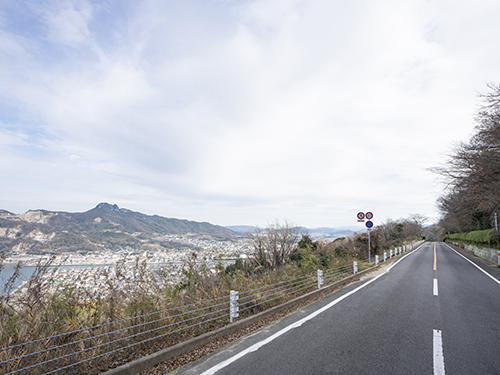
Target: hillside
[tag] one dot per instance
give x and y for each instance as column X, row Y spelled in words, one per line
column 105, row 226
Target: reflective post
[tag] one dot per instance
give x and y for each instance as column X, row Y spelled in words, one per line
column 320, row 279
column 234, row 307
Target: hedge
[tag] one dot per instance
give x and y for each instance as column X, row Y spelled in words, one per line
column 489, row 238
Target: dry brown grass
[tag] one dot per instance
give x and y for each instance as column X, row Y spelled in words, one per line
column 75, row 325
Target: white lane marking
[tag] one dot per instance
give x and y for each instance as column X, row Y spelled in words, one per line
column 438, row 358
column 475, row 265
column 298, row 323
column 435, row 287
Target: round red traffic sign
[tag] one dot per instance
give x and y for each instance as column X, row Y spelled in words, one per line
column 369, row 224
column 369, row 215
column 361, row 215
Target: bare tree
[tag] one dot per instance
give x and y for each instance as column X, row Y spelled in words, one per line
column 274, row 245
column 472, row 173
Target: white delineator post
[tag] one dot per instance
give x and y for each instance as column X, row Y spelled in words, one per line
column 385, row 256
column 376, row 259
column 355, row 266
column 391, row 254
column 320, row 279
column 234, row 307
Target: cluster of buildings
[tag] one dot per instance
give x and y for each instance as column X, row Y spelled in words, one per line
column 163, row 263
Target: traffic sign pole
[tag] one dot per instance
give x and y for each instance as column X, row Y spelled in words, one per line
column 369, row 224
column 369, row 248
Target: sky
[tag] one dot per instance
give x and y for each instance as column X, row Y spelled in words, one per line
column 239, row 112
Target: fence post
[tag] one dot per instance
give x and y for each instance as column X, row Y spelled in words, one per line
column 385, row 256
column 234, row 307
column 391, row 254
column 376, row 259
column 320, row 279
column 355, row 266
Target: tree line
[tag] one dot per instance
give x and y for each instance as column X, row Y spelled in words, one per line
column 285, row 245
column 472, row 172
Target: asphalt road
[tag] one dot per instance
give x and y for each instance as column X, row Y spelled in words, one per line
column 434, row 312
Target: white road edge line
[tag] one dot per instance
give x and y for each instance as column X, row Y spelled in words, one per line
column 438, row 359
column 298, row 323
column 435, row 287
column 475, row 265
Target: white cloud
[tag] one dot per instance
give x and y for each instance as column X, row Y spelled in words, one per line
column 243, row 113
column 67, row 21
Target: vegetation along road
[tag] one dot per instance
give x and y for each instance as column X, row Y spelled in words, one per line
column 433, row 312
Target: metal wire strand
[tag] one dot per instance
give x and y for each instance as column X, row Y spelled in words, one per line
column 346, row 268
column 277, row 288
column 108, row 324
column 123, row 338
column 332, row 278
column 311, row 284
column 123, row 348
column 270, row 300
column 272, row 285
column 277, row 292
column 116, row 331
column 334, row 275
column 339, row 272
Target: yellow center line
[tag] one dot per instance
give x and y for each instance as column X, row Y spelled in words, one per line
column 435, row 259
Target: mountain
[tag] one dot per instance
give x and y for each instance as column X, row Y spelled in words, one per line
column 327, row 232
column 241, row 228
column 324, row 232
column 105, row 226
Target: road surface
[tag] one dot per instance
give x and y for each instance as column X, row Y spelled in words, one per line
column 434, row 312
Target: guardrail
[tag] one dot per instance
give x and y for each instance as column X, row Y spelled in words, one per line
column 81, row 350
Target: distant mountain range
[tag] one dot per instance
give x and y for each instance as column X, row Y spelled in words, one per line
column 105, row 226
column 325, row 232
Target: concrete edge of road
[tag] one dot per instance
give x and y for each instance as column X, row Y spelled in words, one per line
column 151, row 360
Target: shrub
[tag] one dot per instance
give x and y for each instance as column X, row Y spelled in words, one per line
column 488, row 237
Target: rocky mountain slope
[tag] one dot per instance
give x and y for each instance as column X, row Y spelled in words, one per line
column 105, row 226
